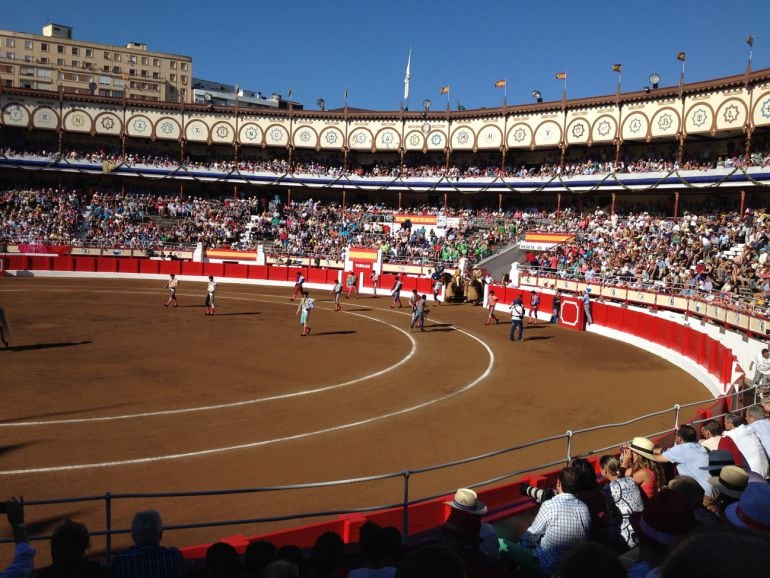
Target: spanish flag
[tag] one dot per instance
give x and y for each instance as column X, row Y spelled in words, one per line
column 561, row 76
column 750, row 40
column 500, row 84
column 445, row 89
column 617, row 67
column 680, row 56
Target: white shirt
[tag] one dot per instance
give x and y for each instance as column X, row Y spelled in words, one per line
column 761, row 427
column 751, row 448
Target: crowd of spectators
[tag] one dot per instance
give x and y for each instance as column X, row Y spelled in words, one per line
column 579, row 165
column 601, row 518
column 717, row 254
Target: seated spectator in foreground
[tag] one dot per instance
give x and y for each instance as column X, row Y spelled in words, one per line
column 590, row 559
column 429, row 561
column 748, row 442
column 21, row 567
column 69, row 543
column 755, row 417
column 666, row 519
column 466, row 500
column 561, row 522
column 690, row 457
column 327, row 559
column 690, row 489
column 714, row 440
column 730, row 483
column 638, row 462
column 372, row 544
column 752, row 511
column 719, row 552
column 393, row 541
column 624, row 498
column 593, row 497
column 293, row 554
column 147, row 557
column 223, row 561
column 281, row 568
column 461, row 534
column 257, row 556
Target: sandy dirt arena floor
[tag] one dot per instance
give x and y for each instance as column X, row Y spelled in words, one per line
column 104, row 389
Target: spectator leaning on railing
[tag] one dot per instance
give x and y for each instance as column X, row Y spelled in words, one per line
column 22, row 564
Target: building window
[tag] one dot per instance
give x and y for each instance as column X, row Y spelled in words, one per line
column 89, row 53
column 75, row 63
column 172, row 77
column 145, row 61
column 116, row 69
column 60, row 49
column 43, row 60
column 143, row 73
column 60, row 62
column 75, row 51
column 106, row 80
column 28, row 58
column 132, row 71
column 156, row 62
column 108, row 56
column 10, row 55
column 184, row 66
column 27, row 71
column 173, row 64
column 116, row 56
column 44, row 46
column 10, row 43
column 87, row 65
column 156, row 74
column 132, row 58
column 184, row 79
column 28, row 44
column 44, row 73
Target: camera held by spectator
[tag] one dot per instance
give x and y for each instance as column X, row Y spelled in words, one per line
column 540, row 495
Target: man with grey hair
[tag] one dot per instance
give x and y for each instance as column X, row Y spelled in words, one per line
column 147, row 558
column 748, row 442
column 755, row 417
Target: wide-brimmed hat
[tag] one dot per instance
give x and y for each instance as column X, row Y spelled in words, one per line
column 666, row 518
column 752, row 511
column 466, row 500
column 731, row 481
column 718, row 459
column 643, row 447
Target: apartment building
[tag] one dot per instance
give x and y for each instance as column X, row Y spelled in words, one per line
column 55, row 61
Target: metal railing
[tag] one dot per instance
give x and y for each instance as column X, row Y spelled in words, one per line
column 567, row 439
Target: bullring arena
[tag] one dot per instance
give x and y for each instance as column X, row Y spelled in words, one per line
column 235, row 426
column 112, row 391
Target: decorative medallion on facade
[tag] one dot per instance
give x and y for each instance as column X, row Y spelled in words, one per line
column 387, row 138
column 436, row 139
column 490, row 137
column 519, row 134
column 331, row 137
column 765, row 108
column 250, row 133
column 578, row 130
column 731, row 113
column 44, row 118
column 360, row 138
column 665, row 121
column 107, row 123
column 196, row 130
column 635, row 125
column 604, row 128
column 14, row 112
column 414, row 140
column 166, row 127
column 276, row 135
column 463, row 137
column 426, row 128
column 304, row 136
column 699, row 117
column 223, row 131
column 139, row 125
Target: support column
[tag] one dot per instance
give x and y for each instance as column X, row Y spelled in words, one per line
column 676, row 206
column 612, row 208
column 500, row 202
column 558, row 204
column 743, row 203
column 399, row 200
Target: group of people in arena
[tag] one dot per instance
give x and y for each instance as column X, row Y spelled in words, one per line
column 699, row 507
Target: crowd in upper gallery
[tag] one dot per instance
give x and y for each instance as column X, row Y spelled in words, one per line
column 578, row 164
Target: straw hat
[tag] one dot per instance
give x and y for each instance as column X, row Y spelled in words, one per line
column 643, row 447
column 731, row 481
column 466, row 500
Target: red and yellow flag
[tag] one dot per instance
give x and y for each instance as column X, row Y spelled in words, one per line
column 445, row 89
column 617, row 67
column 681, row 56
column 500, row 84
column 561, row 76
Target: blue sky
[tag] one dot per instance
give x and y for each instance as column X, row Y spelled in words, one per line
column 319, row 48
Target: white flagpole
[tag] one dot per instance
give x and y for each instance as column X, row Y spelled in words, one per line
column 406, row 79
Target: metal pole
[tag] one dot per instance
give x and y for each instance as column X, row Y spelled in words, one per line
column 108, row 526
column 405, row 508
column 569, row 445
column 677, row 408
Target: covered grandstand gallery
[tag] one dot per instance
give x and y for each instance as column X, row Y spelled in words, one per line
column 179, row 403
